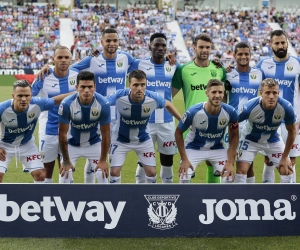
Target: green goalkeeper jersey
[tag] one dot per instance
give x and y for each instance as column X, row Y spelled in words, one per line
column 193, row 81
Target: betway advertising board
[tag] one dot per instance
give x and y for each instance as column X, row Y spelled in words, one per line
column 78, row 210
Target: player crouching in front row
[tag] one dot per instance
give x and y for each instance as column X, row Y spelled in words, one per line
column 265, row 114
column 208, row 121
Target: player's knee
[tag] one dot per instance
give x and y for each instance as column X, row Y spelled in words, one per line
column 293, row 160
column 150, row 171
column 38, row 175
column 166, row 160
column 115, row 171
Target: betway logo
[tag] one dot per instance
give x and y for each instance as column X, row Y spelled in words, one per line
column 32, row 211
column 284, row 82
column 134, row 122
column 84, row 126
column 199, row 87
column 21, row 130
column 210, row 135
column 282, row 211
column 158, row 83
column 266, row 127
column 243, row 90
column 111, row 80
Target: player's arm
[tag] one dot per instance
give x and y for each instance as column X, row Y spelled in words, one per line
column 177, row 81
column 233, row 137
column 58, row 99
column 105, row 132
column 185, row 163
column 2, row 154
column 172, row 110
column 45, row 71
column 63, row 145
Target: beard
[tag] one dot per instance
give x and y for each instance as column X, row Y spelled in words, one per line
column 280, row 53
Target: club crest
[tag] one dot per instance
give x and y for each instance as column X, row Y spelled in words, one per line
column 289, row 68
column 95, row 112
column 213, row 73
column 222, row 122
column 277, row 116
column 253, row 76
column 119, row 64
column 146, row 109
column 168, row 69
column 72, row 81
column 162, row 211
column 31, row 115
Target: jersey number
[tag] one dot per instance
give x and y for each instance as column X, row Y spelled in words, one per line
column 244, row 145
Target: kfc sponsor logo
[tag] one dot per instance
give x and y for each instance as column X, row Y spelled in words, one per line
column 149, row 154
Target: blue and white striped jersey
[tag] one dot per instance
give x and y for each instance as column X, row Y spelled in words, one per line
column 262, row 124
column 49, row 87
column 207, row 130
column 245, row 86
column 133, row 117
column 17, row 127
column 110, row 74
column 286, row 73
column 84, row 119
column 159, row 79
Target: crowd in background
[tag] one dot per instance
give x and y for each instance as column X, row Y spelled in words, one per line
column 29, row 34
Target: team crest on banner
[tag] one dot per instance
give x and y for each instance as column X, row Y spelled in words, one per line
column 213, row 73
column 31, row 115
column 120, row 64
column 146, row 109
column 162, row 211
column 95, row 112
column 72, row 81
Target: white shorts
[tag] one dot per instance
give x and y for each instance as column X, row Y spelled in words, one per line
column 144, row 151
column 216, row 157
column 92, row 153
column 226, row 136
column 164, row 135
column 28, row 154
column 248, row 150
column 295, row 150
column 48, row 147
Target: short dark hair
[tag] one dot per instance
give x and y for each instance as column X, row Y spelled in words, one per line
column 214, row 82
column 22, row 84
column 157, row 35
column 109, row 31
column 241, row 45
column 138, row 74
column 203, row 37
column 277, row 33
column 85, row 75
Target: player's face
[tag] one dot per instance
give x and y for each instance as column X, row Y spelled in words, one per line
column 22, row 97
column 158, row 47
column 62, row 59
column 242, row 57
column 215, row 95
column 269, row 97
column 279, row 45
column 202, row 49
column 137, row 89
column 86, row 89
column 110, row 42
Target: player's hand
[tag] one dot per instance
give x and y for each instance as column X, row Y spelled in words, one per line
column 229, row 68
column 2, row 154
column 285, row 166
column 65, row 167
column 94, row 53
column 171, row 58
column 184, row 168
column 217, row 63
column 104, row 168
column 43, row 73
column 228, row 172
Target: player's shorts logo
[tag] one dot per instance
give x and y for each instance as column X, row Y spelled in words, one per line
column 146, row 109
column 213, row 73
column 289, row 68
column 31, row 115
column 162, row 211
column 72, row 82
column 95, row 112
column 120, row 64
column 277, row 116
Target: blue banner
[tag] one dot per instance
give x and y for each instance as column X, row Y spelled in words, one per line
column 78, row 210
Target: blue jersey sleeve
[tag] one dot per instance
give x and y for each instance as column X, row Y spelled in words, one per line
column 36, row 86
column 186, row 121
column 134, row 65
column 243, row 114
column 64, row 113
column 105, row 114
column 233, row 116
column 258, row 65
column 289, row 117
column 44, row 103
column 113, row 97
column 160, row 101
column 84, row 64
